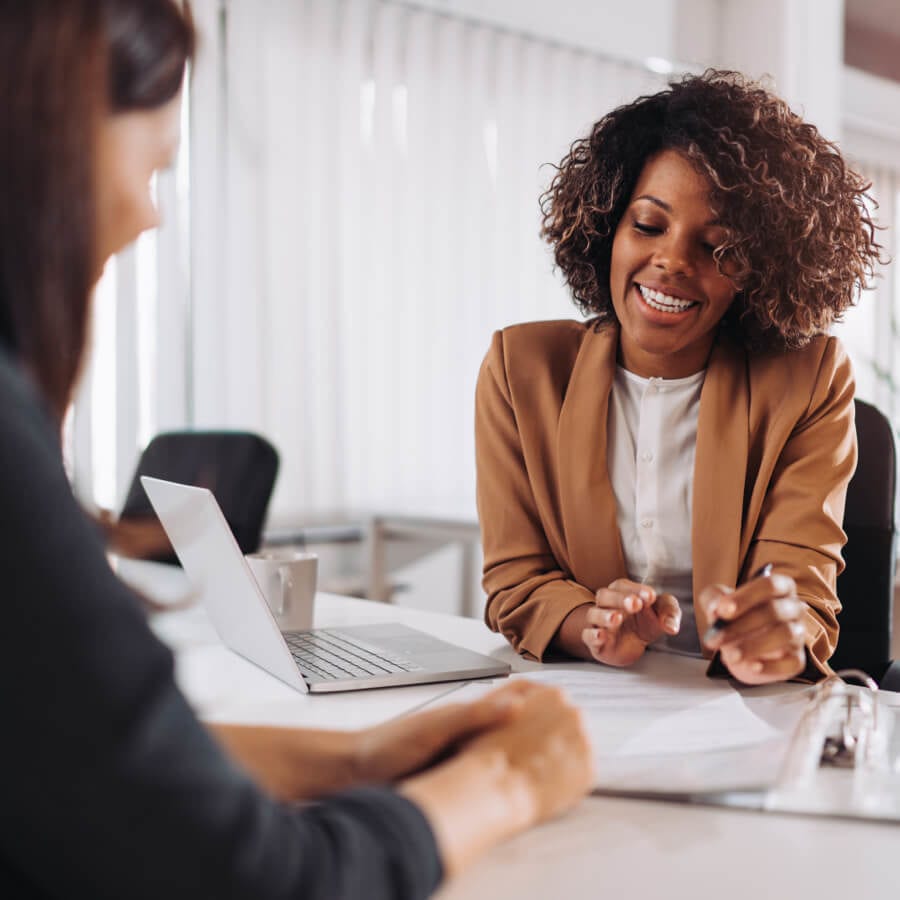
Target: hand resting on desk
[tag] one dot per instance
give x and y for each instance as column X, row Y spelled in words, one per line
column 508, row 778
column 479, row 771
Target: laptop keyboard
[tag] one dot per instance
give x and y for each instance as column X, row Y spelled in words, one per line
column 328, row 656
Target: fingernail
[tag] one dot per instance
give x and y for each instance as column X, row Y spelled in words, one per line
column 632, row 603
column 646, row 595
column 732, row 654
column 615, row 619
column 713, row 636
column 727, row 608
column 672, row 624
column 756, row 667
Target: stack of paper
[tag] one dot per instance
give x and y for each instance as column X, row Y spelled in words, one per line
column 663, row 727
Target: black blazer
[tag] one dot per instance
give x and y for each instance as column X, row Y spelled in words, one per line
column 109, row 785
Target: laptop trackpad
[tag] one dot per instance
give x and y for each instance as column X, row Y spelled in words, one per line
column 396, row 638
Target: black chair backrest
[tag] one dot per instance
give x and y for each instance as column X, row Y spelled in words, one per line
column 237, row 466
column 866, row 586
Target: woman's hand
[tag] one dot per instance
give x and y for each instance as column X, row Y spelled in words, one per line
column 624, row 618
column 535, row 766
column 404, row 746
column 764, row 640
column 546, row 743
column 139, row 538
column 301, row 764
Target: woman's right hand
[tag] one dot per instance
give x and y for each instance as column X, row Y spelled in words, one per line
column 545, row 743
column 533, row 766
column 616, row 629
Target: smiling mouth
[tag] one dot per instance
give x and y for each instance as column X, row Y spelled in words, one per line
column 664, row 302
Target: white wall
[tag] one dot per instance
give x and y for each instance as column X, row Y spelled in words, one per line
column 871, row 111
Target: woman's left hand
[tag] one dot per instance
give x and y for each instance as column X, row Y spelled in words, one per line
column 139, row 538
column 764, row 640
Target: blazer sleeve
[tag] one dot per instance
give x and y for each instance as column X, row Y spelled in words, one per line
column 800, row 525
column 111, row 787
column 529, row 594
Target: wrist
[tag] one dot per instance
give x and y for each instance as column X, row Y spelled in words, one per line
column 296, row 753
column 362, row 759
column 568, row 638
column 292, row 764
column 473, row 802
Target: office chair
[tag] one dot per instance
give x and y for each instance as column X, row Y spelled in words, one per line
column 237, row 466
column 866, row 586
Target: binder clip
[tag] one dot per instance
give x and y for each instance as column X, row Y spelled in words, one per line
column 852, row 729
column 844, row 728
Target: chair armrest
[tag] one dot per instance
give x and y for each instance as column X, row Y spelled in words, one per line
column 890, row 681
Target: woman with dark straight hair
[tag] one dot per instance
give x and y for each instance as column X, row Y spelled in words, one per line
column 110, row 785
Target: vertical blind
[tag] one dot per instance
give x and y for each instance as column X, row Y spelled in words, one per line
column 384, row 168
column 364, row 213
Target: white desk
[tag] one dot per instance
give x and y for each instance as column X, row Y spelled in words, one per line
column 611, row 848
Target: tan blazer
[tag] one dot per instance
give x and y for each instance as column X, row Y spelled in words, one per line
column 776, row 447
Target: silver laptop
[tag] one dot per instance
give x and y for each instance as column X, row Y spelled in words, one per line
column 319, row 661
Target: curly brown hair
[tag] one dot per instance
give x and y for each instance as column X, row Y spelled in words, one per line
column 799, row 240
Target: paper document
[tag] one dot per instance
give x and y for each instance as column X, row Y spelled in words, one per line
column 663, row 726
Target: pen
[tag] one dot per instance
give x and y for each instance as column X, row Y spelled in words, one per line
column 720, row 625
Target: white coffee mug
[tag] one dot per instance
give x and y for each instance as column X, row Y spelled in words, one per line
column 287, row 579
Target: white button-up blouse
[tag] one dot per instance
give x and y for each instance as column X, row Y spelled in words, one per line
column 652, row 436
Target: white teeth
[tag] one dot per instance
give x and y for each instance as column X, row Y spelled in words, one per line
column 664, row 302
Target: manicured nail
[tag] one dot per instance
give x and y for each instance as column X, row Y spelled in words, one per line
column 646, row 595
column 632, row 603
column 672, row 624
column 727, row 608
column 615, row 619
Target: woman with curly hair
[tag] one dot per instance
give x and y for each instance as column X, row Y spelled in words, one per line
column 637, row 470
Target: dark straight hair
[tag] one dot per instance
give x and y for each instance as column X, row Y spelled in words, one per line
column 64, row 65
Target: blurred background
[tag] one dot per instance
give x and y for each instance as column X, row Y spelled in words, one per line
column 355, row 210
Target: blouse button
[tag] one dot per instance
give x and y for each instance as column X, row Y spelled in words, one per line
column 646, row 523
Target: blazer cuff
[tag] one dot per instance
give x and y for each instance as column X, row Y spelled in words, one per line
column 559, row 599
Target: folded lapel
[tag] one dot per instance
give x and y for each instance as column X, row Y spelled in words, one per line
column 587, row 501
column 720, row 471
